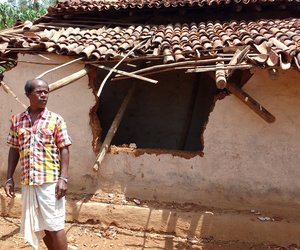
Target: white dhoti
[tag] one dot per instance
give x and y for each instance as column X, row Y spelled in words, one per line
column 41, row 210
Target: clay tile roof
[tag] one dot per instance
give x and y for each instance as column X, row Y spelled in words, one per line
column 100, row 5
column 276, row 42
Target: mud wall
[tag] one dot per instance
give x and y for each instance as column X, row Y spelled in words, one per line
column 246, row 160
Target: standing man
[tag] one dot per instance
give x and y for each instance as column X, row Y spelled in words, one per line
column 39, row 139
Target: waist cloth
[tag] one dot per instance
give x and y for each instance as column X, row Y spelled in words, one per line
column 41, row 210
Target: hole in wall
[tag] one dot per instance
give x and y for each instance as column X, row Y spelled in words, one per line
column 171, row 114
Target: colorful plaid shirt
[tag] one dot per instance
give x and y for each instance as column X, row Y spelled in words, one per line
column 39, row 145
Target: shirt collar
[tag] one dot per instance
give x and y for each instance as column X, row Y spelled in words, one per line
column 43, row 115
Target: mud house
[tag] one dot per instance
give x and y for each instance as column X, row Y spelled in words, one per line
column 176, row 100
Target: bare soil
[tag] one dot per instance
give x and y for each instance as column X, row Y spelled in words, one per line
column 88, row 236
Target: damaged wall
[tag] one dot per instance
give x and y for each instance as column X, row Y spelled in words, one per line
column 245, row 159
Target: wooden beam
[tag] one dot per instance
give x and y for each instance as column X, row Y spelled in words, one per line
column 129, row 74
column 221, row 81
column 112, row 130
column 67, row 80
column 8, row 90
column 58, row 67
column 250, row 102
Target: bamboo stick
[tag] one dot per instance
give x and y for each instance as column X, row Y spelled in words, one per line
column 121, row 72
column 112, row 130
column 58, row 67
column 67, row 80
column 250, row 102
column 111, row 71
column 8, row 90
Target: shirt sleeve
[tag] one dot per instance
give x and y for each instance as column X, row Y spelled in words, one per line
column 62, row 137
column 12, row 138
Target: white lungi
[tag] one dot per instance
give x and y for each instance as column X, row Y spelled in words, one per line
column 41, row 210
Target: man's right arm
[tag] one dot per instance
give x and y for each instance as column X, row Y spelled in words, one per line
column 13, row 158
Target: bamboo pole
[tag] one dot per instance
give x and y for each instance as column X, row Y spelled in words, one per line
column 173, row 65
column 129, row 74
column 207, row 68
column 67, row 80
column 111, row 71
column 58, row 67
column 221, row 81
column 250, row 102
column 8, row 90
column 112, row 130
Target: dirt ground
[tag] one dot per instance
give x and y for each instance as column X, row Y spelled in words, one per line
column 87, row 236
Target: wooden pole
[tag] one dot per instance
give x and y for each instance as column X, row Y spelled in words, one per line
column 58, row 67
column 129, row 74
column 67, row 80
column 111, row 71
column 8, row 90
column 112, row 130
column 221, row 81
column 250, row 102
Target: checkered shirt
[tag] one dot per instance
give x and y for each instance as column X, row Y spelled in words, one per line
column 39, row 145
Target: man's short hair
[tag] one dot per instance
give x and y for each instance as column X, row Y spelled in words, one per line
column 28, row 85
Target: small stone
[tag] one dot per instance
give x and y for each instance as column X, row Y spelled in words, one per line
column 252, row 211
column 193, row 241
column 264, row 218
column 136, row 201
column 99, row 235
column 111, row 195
column 132, row 145
column 72, row 247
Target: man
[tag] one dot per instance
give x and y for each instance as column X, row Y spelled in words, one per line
column 39, row 139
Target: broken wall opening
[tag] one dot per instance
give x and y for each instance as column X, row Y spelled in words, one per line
column 171, row 114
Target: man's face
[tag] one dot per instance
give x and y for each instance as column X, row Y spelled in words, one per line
column 39, row 96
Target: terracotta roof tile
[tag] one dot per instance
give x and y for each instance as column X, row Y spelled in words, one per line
column 100, row 5
column 278, row 39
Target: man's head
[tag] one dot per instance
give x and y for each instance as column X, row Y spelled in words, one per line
column 37, row 91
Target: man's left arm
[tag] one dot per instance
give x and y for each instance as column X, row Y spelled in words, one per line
column 62, row 185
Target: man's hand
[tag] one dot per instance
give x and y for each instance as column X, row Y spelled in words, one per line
column 61, row 189
column 9, row 188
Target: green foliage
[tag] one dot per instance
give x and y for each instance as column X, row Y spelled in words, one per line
column 25, row 10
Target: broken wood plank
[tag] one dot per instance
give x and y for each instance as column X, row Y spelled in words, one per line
column 129, row 74
column 8, row 90
column 112, row 130
column 67, row 80
column 58, row 67
column 250, row 102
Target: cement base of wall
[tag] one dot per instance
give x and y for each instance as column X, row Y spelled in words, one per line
column 184, row 220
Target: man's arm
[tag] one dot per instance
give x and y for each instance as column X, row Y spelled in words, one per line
column 61, row 187
column 13, row 158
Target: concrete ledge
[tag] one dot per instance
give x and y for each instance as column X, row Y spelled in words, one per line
column 224, row 225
